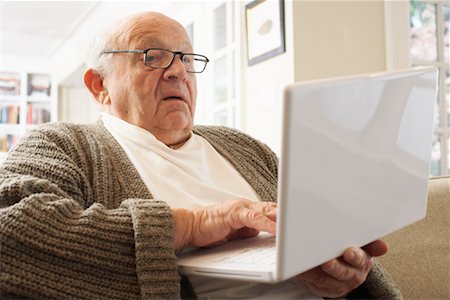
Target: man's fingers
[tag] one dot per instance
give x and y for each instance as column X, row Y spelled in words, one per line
column 357, row 258
column 236, row 218
column 270, row 209
column 313, row 276
column 351, row 268
column 260, row 216
column 322, row 284
column 257, row 220
column 342, row 271
column 376, row 248
column 339, row 276
column 244, row 233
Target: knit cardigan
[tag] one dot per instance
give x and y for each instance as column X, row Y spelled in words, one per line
column 77, row 221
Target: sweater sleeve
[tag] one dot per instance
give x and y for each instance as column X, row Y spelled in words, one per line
column 57, row 242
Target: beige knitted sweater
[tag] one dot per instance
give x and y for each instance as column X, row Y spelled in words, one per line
column 78, row 222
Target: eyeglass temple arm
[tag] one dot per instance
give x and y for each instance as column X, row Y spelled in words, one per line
column 124, row 51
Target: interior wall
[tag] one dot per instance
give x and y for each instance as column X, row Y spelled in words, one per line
column 323, row 39
column 336, row 38
column 263, row 85
column 76, row 105
column 101, row 17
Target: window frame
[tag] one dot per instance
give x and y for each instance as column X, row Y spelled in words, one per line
column 398, row 57
column 232, row 105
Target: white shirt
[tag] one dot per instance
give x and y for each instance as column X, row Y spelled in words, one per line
column 191, row 176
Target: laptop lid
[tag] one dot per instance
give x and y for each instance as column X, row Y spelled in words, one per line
column 354, row 167
column 355, row 161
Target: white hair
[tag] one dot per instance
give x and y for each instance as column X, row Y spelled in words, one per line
column 95, row 59
column 123, row 34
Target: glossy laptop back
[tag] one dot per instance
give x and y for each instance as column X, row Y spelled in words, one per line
column 354, row 167
column 354, row 164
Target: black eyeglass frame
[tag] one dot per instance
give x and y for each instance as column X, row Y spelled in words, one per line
column 174, row 53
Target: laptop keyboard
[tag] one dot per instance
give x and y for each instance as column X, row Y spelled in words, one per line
column 263, row 254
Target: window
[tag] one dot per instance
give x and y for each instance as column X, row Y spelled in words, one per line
column 190, row 31
column 429, row 45
column 213, row 27
column 222, row 107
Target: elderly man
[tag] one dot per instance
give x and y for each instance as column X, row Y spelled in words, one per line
column 99, row 210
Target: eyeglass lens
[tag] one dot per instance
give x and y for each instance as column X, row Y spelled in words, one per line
column 159, row 58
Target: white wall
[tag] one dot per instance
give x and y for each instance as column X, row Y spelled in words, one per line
column 336, row 38
column 77, row 105
column 323, row 39
column 263, row 85
column 101, row 17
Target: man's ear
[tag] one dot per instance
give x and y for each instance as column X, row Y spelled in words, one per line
column 94, row 82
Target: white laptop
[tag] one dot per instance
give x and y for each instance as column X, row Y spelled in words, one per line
column 354, row 167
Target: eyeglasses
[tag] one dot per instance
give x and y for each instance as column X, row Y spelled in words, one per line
column 163, row 59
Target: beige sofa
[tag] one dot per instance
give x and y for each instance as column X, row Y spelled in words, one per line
column 419, row 256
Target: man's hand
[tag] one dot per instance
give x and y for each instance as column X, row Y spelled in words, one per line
column 216, row 224
column 338, row 277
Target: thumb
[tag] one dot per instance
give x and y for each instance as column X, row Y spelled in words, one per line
column 376, row 248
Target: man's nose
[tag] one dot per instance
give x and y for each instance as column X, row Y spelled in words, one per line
column 176, row 68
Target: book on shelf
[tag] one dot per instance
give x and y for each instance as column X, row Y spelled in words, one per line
column 39, row 85
column 8, row 141
column 9, row 84
column 38, row 113
column 9, row 114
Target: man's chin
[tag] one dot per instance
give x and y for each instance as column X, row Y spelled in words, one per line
column 179, row 124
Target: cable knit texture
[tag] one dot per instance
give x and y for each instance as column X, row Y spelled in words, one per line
column 77, row 221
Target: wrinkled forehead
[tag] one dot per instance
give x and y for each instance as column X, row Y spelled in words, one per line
column 163, row 40
column 146, row 30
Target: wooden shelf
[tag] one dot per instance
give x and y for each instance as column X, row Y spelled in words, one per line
column 27, row 98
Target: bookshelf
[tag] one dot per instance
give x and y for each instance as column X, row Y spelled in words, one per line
column 27, row 99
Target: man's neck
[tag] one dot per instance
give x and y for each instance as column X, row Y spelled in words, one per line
column 173, row 139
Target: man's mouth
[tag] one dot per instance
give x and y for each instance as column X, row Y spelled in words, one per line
column 174, row 94
column 173, row 98
column 176, row 97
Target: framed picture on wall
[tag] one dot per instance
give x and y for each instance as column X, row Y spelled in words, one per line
column 265, row 29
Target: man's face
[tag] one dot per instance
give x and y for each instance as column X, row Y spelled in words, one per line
column 161, row 101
